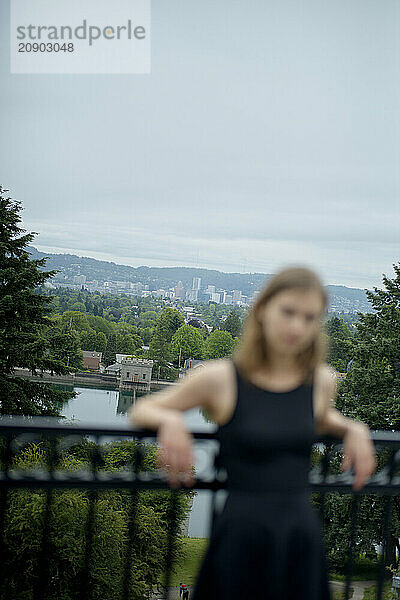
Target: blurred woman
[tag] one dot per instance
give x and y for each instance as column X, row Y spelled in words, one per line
column 270, row 402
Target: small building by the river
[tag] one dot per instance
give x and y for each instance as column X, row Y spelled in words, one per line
column 135, row 373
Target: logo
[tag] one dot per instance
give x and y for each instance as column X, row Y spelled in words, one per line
column 81, row 36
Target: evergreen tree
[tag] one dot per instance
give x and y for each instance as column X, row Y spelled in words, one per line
column 111, row 350
column 371, row 390
column 24, row 315
column 340, row 343
column 371, row 393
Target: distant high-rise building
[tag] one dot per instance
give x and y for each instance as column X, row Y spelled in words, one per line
column 215, row 297
column 236, row 295
column 210, row 289
column 192, row 295
column 180, row 291
column 196, row 283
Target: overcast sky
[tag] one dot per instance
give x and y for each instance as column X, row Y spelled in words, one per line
column 267, row 134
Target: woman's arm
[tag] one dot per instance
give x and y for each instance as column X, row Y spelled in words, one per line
column 194, row 390
column 358, row 448
column 163, row 410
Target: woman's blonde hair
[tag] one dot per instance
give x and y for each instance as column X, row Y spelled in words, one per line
column 252, row 354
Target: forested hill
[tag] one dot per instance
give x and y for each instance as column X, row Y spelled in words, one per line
column 70, row 265
column 155, row 277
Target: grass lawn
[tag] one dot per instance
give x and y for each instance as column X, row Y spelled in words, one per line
column 194, row 550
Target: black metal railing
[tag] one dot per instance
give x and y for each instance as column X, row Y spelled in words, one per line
column 33, row 457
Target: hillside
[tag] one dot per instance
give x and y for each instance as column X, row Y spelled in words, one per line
column 342, row 298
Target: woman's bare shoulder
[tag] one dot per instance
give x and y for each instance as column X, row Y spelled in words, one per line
column 325, row 376
column 222, row 383
column 325, row 387
column 217, row 373
column 218, row 378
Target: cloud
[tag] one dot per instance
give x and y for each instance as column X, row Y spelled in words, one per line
column 257, row 138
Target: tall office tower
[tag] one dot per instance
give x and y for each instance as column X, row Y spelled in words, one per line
column 180, row 291
column 237, row 295
column 196, row 283
column 192, row 295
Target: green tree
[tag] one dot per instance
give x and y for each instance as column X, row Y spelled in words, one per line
column 219, row 344
column 187, row 342
column 100, row 324
column 65, row 348
column 101, row 342
column 146, row 334
column 167, row 324
column 74, row 320
column 147, row 318
column 340, row 343
column 88, row 340
column 24, row 316
column 80, row 306
column 68, row 516
column 232, row 324
column 128, row 344
column 111, row 350
column 371, row 390
column 371, row 393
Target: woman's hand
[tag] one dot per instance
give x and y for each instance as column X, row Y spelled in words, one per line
column 359, row 453
column 176, row 454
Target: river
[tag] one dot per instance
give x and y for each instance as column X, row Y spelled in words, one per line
column 104, row 407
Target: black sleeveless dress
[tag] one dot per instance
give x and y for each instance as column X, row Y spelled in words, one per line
column 266, row 543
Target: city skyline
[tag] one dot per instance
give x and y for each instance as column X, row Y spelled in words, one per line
column 123, row 262
column 234, row 290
